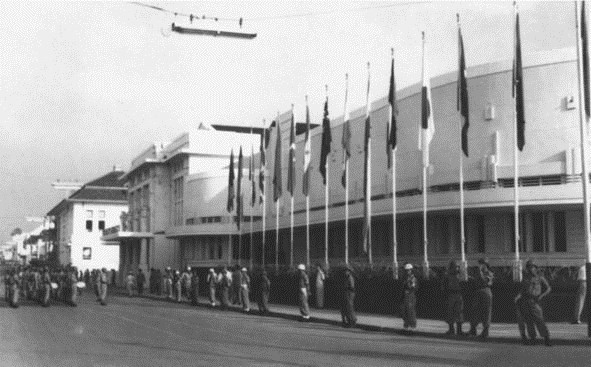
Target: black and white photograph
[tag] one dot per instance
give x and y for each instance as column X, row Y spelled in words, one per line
column 295, row 183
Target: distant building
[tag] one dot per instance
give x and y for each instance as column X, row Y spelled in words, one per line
column 81, row 218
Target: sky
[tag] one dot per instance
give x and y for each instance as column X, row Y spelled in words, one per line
column 85, row 86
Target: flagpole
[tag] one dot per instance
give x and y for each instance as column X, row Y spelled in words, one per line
column 517, row 268
column 326, row 169
column 584, row 120
column 277, row 216
column 425, row 154
column 464, row 263
column 292, row 200
column 368, row 104
column 346, row 179
column 307, row 197
column 394, row 233
column 252, row 187
column 264, row 197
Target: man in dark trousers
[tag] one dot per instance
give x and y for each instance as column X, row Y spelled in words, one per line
column 140, row 280
column 482, row 301
column 455, row 302
column 303, row 292
column 194, row 287
column 348, row 308
column 534, row 287
column 265, row 291
column 245, row 290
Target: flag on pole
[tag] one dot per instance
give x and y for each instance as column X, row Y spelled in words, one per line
column 239, row 203
column 367, row 172
column 231, row 194
column 518, row 85
column 326, row 140
column 391, row 128
column 427, row 123
column 263, row 166
column 585, row 50
column 292, row 154
column 277, row 177
column 307, row 154
column 462, row 95
column 346, row 137
column 251, row 177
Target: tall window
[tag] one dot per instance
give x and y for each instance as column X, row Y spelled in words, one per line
column 177, row 193
column 560, row 231
column 146, row 207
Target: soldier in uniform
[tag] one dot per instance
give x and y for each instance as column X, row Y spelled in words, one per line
column 482, row 301
column 129, row 283
column 225, row 282
column 409, row 302
column 534, row 287
column 140, row 280
column 186, row 282
column 265, row 291
column 245, row 290
column 178, row 288
column 168, row 283
column 455, row 302
column 194, row 292
column 303, row 292
column 212, row 281
column 46, row 287
column 320, row 277
column 348, row 308
column 103, row 281
column 235, row 290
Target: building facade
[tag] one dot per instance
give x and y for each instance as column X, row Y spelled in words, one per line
column 81, row 218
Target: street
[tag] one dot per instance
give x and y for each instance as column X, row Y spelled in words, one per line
column 147, row 332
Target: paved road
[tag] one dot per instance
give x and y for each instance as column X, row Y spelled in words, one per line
column 145, row 332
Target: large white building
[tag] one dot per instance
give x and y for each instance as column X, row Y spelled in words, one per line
column 81, row 218
column 178, row 191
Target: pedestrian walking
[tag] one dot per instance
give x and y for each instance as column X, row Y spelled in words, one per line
column 409, row 301
column 265, row 290
column 140, row 280
column 103, row 280
column 130, row 283
column 581, row 294
column 482, row 299
column 303, row 292
column 212, row 281
column 194, row 287
column 245, row 290
column 452, row 288
column 534, row 287
column 320, row 277
column 348, row 299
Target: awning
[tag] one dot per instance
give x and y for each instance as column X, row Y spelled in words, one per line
column 114, row 238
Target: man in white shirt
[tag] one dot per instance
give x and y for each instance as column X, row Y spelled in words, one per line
column 581, row 293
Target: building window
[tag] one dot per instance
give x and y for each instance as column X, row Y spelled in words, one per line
column 539, row 230
column 89, row 225
column 89, row 214
column 211, row 250
column 221, row 248
column 560, row 232
column 101, row 225
column 177, row 192
column 101, row 214
column 86, row 253
column 481, row 237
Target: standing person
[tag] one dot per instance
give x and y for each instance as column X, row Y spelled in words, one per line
column 320, row 277
column 455, row 302
column 178, row 288
column 168, row 283
column 186, row 282
column 140, row 280
column 482, row 301
column 212, row 281
column 528, row 302
column 581, row 294
column 409, row 303
column 245, row 290
column 96, row 276
column 304, row 291
column 103, row 281
column 265, row 291
column 87, row 278
column 13, row 283
column 129, row 283
column 348, row 308
column 194, row 292
column 225, row 284
column 235, row 291
column 46, row 287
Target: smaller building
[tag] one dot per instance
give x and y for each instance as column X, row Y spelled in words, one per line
column 81, row 218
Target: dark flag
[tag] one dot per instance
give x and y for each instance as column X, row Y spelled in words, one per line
column 326, row 141
column 367, row 174
column 277, row 177
column 391, row 128
column 231, row 194
column 346, row 137
column 585, row 50
column 292, row 155
column 263, row 166
column 462, row 95
column 427, row 121
column 239, row 203
column 307, row 154
column 518, row 85
column 251, row 177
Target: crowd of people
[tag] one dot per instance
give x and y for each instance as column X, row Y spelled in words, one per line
column 233, row 286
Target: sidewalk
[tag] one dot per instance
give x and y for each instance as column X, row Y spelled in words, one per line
column 561, row 333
